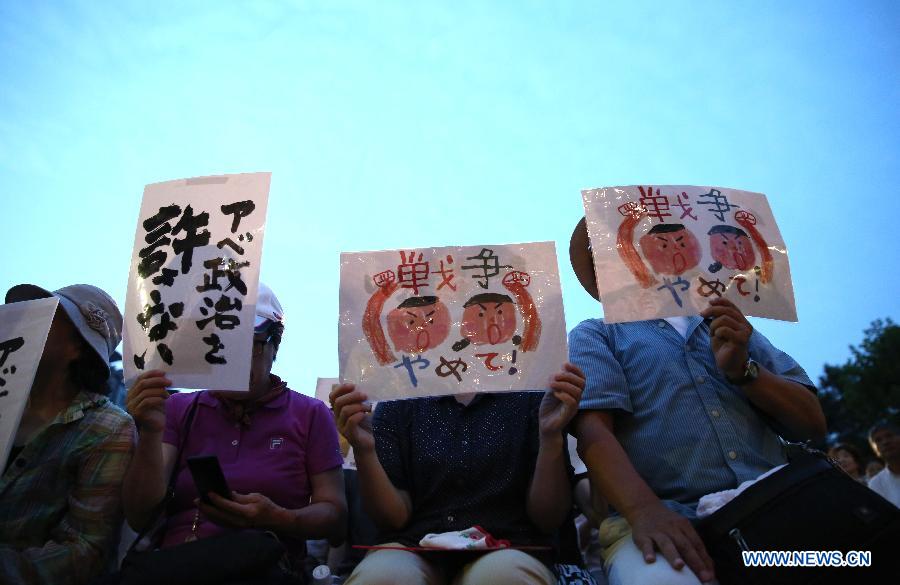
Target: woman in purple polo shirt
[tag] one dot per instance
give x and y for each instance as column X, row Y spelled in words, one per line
column 278, row 451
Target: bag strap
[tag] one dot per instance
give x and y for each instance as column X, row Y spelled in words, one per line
column 173, row 477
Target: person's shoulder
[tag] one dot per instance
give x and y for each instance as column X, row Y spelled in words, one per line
column 883, row 478
column 106, row 417
column 591, row 325
column 299, row 402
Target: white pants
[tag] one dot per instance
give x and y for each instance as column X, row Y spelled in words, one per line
column 625, row 564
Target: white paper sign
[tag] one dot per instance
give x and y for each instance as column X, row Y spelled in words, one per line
column 323, row 388
column 23, row 332
column 668, row 250
column 437, row 321
column 193, row 281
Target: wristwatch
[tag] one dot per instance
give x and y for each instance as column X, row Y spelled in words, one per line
column 751, row 373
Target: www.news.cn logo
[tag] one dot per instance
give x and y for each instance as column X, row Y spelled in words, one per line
column 806, row 558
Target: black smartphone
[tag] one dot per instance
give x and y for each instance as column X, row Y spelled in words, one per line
column 208, row 476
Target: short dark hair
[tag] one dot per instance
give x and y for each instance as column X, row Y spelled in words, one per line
column 483, row 298
column 854, row 452
column 884, row 424
column 666, row 228
column 417, row 302
column 726, row 229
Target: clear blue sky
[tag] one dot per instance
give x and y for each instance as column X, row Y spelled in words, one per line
column 410, row 124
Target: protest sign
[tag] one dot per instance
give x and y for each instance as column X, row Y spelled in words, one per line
column 324, row 387
column 23, row 331
column 668, row 250
column 437, row 321
column 193, row 281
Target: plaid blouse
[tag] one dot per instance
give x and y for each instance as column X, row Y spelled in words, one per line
column 60, row 499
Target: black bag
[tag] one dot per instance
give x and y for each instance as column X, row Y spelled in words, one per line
column 247, row 556
column 809, row 505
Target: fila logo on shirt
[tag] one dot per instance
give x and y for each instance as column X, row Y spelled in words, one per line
column 276, row 443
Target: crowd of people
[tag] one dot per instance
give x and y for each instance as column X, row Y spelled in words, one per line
column 664, row 412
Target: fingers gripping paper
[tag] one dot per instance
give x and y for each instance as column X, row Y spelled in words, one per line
column 193, row 281
column 668, row 250
column 450, row 320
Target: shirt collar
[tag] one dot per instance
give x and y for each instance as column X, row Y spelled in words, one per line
column 208, row 399
column 83, row 402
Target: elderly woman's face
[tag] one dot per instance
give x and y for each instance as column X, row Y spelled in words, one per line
column 261, row 363
column 847, row 462
column 63, row 343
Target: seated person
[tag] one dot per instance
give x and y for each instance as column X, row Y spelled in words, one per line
column 60, row 508
column 885, row 441
column 675, row 409
column 434, row 465
column 849, row 459
column 278, row 451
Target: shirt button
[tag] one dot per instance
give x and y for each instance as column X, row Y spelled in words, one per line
column 732, row 455
column 450, row 518
column 234, row 442
column 715, row 413
column 701, row 379
column 661, row 324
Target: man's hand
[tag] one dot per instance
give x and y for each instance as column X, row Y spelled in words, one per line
column 243, row 511
column 658, row 528
column 560, row 403
column 146, row 401
column 729, row 334
column 353, row 417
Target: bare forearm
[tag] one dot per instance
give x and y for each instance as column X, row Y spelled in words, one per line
column 550, row 495
column 318, row 520
column 611, row 472
column 791, row 404
column 144, row 485
column 383, row 502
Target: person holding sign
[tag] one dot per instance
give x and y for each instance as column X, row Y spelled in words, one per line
column 674, row 409
column 491, row 461
column 278, row 450
column 60, row 493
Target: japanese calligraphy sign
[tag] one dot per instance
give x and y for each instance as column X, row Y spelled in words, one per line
column 436, row 321
column 665, row 250
column 23, row 332
column 193, row 282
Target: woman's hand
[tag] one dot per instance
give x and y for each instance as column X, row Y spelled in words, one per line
column 560, row 403
column 244, row 511
column 146, row 401
column 353, row 417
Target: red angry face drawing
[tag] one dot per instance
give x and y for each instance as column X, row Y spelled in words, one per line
column 670, row 249
column 489, row 318
column 418, row 324
column 731, row 247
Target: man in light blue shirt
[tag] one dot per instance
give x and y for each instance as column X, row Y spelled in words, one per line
column 674, row 409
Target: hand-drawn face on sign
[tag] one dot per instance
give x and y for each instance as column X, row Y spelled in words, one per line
column 731, row 248
column 489, row 318
column 419, row 324
column 456, row 319
column 670, row 249
column 647, row 252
